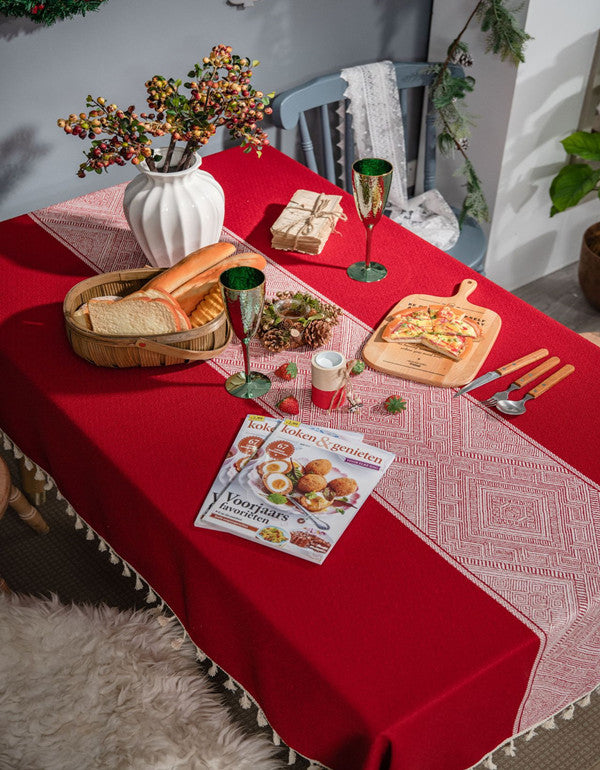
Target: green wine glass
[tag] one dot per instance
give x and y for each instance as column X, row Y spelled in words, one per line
column 243, row 290
column 371, row 179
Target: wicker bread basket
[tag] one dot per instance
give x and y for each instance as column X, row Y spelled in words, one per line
column 122, row 351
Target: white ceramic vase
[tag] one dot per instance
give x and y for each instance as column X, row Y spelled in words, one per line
column 175, row 213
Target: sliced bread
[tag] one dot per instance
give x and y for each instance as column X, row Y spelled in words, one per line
column 152, row 293
column 133, row 316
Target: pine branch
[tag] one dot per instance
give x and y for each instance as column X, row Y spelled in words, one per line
column 47, row 12
column 504, row 38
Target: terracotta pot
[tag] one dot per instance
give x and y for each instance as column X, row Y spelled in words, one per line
column 589, row 265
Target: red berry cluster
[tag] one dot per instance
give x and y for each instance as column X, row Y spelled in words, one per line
column 129, row 140
column 220, row 94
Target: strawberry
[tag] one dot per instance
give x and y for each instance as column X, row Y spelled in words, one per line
column 287, row 371
column 289, row 405
column 358, row 368
column 395, row 404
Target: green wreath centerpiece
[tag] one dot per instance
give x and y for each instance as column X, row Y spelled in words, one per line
column 294, row 319
column 48, row 11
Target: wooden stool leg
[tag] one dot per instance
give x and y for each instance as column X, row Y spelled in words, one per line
column 33, row 488
column 4, row 586
column 26, row 511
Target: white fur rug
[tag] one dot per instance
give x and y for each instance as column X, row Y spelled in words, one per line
column 87, row 687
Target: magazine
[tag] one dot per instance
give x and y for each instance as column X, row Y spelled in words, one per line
column 248, row 440
column 299, row 490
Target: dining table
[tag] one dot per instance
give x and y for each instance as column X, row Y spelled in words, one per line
column 460, row 607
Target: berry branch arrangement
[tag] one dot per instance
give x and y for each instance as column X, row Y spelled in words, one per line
column 504, row 38
column 48, row 11
column 218, row 93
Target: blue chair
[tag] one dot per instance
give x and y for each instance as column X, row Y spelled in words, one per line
column 309, row 103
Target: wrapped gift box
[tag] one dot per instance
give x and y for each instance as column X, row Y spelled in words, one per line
column 306, row 222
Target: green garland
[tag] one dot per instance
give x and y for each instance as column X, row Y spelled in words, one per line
column 506, row 39
column 46, row 12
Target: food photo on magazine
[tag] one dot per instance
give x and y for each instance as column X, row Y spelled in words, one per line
column 255, row 428
column 295, row 487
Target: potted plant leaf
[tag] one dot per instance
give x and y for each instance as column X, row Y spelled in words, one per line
column 574, row 182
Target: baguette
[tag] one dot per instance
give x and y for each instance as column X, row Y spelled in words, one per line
column 193, row 291
column 194, row 263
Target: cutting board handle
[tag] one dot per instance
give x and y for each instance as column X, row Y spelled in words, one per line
column 466, row 288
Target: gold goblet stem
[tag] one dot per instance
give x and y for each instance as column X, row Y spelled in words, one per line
column 246, row 354
column 368, row 250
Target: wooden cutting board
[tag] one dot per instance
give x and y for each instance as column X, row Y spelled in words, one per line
column 413, row 361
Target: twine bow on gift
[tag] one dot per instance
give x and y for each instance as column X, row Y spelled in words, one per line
column 318, row 210
column 354, row 402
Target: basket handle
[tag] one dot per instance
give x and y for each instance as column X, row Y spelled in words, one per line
column 174, row 352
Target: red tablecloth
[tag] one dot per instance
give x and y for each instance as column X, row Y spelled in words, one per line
column 387, row 655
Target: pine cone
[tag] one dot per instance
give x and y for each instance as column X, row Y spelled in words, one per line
column 276, row 339
column 265, row 325
column 317, row 333
column 296, row 331
column 269, row 319
column 465, row 59
column 331, row 313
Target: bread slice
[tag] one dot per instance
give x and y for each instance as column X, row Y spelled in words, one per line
column 81, row 317
column 164, row 295
column 133, row 316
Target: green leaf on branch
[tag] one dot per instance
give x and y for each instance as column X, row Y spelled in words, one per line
column 571, row 185
column 584, row 144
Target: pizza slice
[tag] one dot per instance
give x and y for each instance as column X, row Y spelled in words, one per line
column 447, row 320
column 451, row 345
column 419, row 316
column 408, row 325
column 399, row 330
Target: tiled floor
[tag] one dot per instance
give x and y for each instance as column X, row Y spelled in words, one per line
column 559, row 296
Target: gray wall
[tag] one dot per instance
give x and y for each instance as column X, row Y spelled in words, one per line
column 48, row 71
